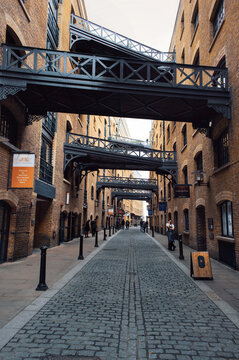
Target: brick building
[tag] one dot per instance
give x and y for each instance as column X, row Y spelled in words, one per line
column 205, row 33
column 56, row 208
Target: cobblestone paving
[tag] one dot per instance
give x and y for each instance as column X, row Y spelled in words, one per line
column 129, row 302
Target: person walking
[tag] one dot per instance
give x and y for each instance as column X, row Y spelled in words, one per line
column 87, row 228
column 127, row 224
column 122, row 224
column 170, row 232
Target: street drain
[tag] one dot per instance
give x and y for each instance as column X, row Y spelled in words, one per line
column 60, row 357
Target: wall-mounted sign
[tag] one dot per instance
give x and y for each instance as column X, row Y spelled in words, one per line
column 210, row 223
column 150, row 212
column 23, row 171
column 121, row 212
column 163, row 206
column 181, row 191
column 110, row 211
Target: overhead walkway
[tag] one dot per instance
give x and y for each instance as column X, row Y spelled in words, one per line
column 94, row 153
column 126, row 183
column 88, row 37
column 132, row 194
column 47, row 80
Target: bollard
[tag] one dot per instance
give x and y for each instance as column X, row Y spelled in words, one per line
column 113, row 230
column 105, row 236
column 109, row 231
column 81, row 257
column 152, row 231
column 180, row 242
column 42, row 286
column 96, row 239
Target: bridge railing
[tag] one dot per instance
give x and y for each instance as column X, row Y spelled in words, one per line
column 130, row 150
column 126, row 180
column 66, row 65
column 114, row 37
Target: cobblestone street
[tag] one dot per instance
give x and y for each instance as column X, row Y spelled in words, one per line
column 130, row 301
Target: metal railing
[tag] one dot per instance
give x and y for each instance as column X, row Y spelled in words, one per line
column 129, row 150
column 66, row 65
column 121, row 40
column 122, row 139
column 127, row 180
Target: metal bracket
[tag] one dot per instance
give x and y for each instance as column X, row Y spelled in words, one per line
column 6, row 90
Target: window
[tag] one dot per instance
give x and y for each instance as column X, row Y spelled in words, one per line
column 46, row 169
column 221, row 150
column 186, row 220
column 185, row 174
column 195, row 20
column 92, row 192
column 169, row 191
column 218, row 17
column 46, row 150
column 196, row 62
column 219, row 77
column 52, row 26
column 226, row 213
column 184, row 134
column 198, row 160
column 168, row 133
column 8, row 126
column 175, row 147
column 49, row 123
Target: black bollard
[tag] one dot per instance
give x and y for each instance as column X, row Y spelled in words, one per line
column 105, row 236
column 96, row 239
column 109, row 231
column 81, row 257
column 113, row 230
column 152, row 231
column 180, row 242
column 42, row 286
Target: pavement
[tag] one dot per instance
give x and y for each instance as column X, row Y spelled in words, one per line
column 128, row 299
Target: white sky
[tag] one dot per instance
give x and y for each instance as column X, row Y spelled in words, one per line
column 150, row 22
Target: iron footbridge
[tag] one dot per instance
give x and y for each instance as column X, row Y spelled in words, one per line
column 141, row 195
column 93, row 153
column 108, row 42
column 126, row 183
column 59, row 81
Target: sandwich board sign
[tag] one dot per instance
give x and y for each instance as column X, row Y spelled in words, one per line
column 200, row 265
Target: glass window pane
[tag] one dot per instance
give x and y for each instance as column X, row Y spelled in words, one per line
column 224, row 220
column 229, row 218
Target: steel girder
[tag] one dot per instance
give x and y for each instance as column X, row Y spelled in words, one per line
column 47, row 80
column 126, row 183
column 107, row 42
column 95, row 153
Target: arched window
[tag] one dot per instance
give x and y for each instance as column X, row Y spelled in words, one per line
column 226, row 213
column 8, row 125
column 185, row 174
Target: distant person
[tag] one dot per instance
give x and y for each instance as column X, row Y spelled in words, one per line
column 170, row 233
column 147, row 226
column 93, row 227
column 87, row 228
column 127, row 224
column 122, row 224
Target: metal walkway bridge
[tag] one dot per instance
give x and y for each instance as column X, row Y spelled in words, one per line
column 132, row 195
column 47, row 80
column 126, row 183
column 94, row 153
column 107, row 42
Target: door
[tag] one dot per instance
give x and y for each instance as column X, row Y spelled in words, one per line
column 201, row 229
column 5, row 210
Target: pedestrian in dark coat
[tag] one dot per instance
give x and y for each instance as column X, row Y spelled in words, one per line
column 87, row 228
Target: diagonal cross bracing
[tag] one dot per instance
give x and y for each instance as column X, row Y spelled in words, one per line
column 95, row 153
column 126, row 183
column 82, row 29
column 48, row 80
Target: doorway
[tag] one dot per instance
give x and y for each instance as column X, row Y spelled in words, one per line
column 201, row 228
column 5, row 211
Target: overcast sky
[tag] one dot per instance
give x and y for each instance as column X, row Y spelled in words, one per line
column 150, row 22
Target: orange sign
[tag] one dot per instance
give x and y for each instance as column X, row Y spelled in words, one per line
column 23, row 170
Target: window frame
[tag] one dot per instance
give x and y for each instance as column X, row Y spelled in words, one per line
column 225, row 222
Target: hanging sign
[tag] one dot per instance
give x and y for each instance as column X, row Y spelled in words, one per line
column 181, row 191
column 110, row 211
column 23, row 170
column 200, row 266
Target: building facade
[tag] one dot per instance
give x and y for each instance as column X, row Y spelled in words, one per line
column 58, row 204
column 205, row 34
